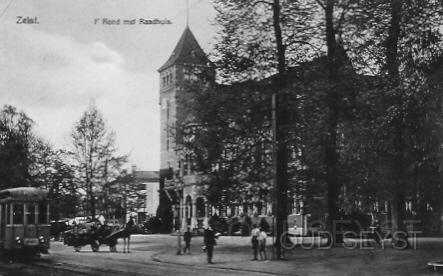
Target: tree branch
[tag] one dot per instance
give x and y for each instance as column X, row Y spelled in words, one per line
column 321, row 4
column 304, row 42
column 262, row 2
column 342, row 17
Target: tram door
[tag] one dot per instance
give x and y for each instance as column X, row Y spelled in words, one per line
column 3, row 216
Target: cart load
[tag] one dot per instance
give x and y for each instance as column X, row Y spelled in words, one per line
column 93, row 234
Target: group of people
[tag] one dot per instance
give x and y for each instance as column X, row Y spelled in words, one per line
column 209, row 240
column 258, row 240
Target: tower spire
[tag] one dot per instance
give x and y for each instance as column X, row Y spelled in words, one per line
column 187, row 13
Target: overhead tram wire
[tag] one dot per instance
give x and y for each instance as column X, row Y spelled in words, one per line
column 6, row 8
column 54, row 91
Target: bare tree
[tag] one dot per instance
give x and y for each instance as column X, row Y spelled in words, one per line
column 95, row 155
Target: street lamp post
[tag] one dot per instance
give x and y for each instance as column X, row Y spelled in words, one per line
column 179, row 222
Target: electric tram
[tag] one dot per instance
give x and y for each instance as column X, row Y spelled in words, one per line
column 24, row 222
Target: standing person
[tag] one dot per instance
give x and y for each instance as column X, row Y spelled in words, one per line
column 187, row 237
column 130, row 223
column 254, row 240
column 378, row 235
column 262, row 244
column 209, row 240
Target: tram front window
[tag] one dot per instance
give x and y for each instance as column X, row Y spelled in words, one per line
column 30, row 214
column 17, row 217
column 7, row 214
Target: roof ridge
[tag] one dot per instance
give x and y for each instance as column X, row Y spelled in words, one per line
column 187, row 50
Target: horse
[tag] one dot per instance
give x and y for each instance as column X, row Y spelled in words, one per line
column 125, row 234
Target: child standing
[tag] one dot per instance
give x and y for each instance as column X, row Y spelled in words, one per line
column 254, row 240
column 262, row 244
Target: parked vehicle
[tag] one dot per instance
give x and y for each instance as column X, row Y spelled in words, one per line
column 24, row 222
column 93, row 234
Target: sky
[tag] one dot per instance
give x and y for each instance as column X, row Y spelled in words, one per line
column 55, row 69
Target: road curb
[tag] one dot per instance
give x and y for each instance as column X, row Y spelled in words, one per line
column 156, row 258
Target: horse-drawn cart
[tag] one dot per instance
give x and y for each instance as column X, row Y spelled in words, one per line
column 93, row 234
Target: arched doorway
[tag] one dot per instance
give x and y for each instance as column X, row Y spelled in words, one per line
column 200, row 213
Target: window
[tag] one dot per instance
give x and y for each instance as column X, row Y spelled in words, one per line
column 7, row 214
column 42, row 213
column 3, row 214
column 167, row 138
column 167, row 80
column 17, row 217
column 141, row 187
column 30, row 213
column 167, row 125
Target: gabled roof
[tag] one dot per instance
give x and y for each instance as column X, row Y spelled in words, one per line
column 187, row 50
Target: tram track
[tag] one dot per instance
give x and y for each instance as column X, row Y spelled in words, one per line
column 138, row 268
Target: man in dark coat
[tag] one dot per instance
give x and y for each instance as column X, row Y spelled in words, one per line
column 209, row 240
column 187, row 237
column 130, row 223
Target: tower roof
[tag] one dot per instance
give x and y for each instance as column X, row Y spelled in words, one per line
column 187, row 50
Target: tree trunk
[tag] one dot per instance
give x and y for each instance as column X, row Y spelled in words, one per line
column 331, row 155
column 392, row 42
column 280, row 123
column 398, row 199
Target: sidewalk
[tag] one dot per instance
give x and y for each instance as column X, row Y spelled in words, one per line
column 235, row 253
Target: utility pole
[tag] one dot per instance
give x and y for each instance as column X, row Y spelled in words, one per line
column 179, row 224
column 274, row 172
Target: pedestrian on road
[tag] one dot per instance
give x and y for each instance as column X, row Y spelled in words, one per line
column 254, row 240
column 377, row 233
column 187, row 237
column 209, row 240
column 262, row 244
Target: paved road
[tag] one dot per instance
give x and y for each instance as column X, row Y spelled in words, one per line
column 232, row 258
column 64, row 261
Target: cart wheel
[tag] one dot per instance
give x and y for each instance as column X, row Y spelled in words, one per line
column 95, row 246
column 77, row 248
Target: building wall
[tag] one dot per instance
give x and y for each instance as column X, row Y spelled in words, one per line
column 152, row 198
column 168, row 114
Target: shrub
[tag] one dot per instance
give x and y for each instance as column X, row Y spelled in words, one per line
column 153, row 224
column 246, row 226
column 219, row 224
column 264, row 225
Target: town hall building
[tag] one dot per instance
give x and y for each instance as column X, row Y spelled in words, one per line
column 182, row 187
column 178, row 181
